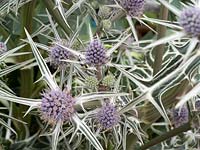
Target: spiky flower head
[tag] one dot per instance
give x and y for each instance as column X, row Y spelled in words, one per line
column 106, row 24
column 57, row 106
column 108, row 116
column 58, row 54
column 190, row 20
column 134, row 8
column 108, row 80
column 3, row 48
column 104, row 12
column 91, row 82
column 180, row 116
column 95, row 54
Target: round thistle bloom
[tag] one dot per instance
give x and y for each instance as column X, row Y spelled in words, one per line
column 104, row 12
column 91, row 82
column 56, row 106
column 108, row 80
column 58, row 54
column 106, row 24
column 180, row 117
column 108, row 116
column 190, row 20
column 95, row 54
column 3, row 48
column 134, row 8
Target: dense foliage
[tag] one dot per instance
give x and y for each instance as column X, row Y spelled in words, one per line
column 99, row 74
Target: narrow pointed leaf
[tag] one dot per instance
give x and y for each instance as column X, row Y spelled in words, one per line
column 87, row 132
column 41, row 63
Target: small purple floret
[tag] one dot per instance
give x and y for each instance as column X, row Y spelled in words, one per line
column 3, row 47
column 190, row 20
column 197, row 105
column 180, row 117
column 56, row 106
column 95, row 54
column 108, row 116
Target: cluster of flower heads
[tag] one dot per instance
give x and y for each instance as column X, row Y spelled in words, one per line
column 180, row 116
column 190, row 20
column 59, row 105
column 3, row 48
column 58, row 54
column 96, row 54
column 134, row 8
column 108, row 116
column 56, row 106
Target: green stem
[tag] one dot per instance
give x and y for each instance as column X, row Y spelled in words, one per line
column 26, row 75
column 158, row 51
column 37, row 89
column 166, row 136
column 56, row 15
column 99, row 72
column 62, row 77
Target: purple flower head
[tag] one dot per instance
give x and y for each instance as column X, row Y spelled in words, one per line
column 96, row 54
column 180, row 117
column 197, row 105
column 108, row 116
column 56, row 106
column 190, row 20
column 3, row 48
column 58, row 54
column 134, row 8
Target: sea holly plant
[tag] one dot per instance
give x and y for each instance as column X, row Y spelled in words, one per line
column 84, row 74
column 58, row 106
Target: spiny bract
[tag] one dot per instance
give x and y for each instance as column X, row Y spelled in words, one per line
column 104, row 12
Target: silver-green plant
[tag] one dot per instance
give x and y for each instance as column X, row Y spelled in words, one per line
column 84, row 74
